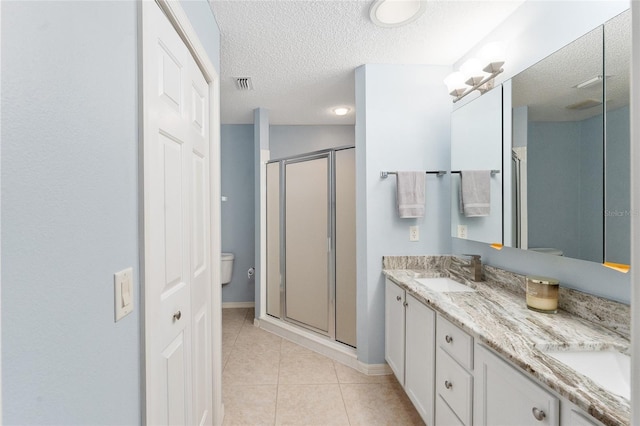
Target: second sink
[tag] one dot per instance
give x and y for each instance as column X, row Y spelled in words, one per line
column 444, row 285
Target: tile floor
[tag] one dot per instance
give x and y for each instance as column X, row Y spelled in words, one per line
column 268, row 380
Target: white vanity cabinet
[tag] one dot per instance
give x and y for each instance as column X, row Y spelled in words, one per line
column 504, row 396
column 454, row 374
column 410, row 347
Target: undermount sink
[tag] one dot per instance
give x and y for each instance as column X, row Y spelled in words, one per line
column 608, row 368
column 444, row 285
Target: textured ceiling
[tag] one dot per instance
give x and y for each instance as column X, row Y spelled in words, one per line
column 548, row 87
column 301, row 54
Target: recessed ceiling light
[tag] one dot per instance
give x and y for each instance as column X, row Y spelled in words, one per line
column 341, row 110
column 394, row 13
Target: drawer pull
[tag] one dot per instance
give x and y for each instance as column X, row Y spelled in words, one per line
column 448, row 338
column 398, row 298
column 449, row 385
column 538, row 414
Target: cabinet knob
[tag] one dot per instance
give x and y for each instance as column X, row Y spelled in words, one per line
column 449, row 385
column 538, row 414
column 448, row 338
column 406, row 305
column 398, row 298
column 177, row 316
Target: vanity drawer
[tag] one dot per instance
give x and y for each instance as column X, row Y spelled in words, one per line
column 444, row 415
column 455, row 342
column 455, row 385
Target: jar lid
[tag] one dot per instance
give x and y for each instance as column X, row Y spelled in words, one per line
column 542, row 280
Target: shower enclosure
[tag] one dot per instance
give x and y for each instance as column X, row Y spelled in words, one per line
column 311, row 264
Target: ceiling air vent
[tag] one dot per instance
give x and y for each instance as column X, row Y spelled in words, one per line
column 244, row 83
column 586, row 104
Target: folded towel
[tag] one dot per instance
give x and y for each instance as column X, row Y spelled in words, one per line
column 410, row 194
column 475, row 193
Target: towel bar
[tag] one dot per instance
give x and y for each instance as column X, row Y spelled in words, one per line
column 493, row 172
column 439, row 173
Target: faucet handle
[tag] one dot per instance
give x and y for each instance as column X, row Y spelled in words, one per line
column 473, row 256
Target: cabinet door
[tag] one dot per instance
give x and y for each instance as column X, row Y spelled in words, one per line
column 394, row 329
column 420, row 357
column 504, row 396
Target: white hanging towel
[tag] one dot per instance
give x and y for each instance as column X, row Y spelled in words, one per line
column 410, row 194
column 475, row 192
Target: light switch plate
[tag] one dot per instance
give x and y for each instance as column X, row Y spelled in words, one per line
column 462, row 231
column 123, row 294
column 414, row 233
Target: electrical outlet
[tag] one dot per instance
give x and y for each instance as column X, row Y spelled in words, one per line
column 414, row 233
column 462, row 231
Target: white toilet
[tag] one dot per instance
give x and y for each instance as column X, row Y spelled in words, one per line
column 226, row 268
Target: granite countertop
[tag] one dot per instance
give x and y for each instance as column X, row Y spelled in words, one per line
column 496, row 315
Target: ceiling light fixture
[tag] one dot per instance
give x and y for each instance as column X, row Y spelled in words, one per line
column 477, row 73
column 341, row 110
column 591, row 82
column 395, row 13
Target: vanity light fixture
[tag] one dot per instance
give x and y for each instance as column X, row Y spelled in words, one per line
column 477, row 73
column 341, row 110
column 395, row 13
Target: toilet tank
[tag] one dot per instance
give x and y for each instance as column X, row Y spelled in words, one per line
column 226, row 267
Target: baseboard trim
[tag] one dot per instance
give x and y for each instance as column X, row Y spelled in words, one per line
column 336, row 351
column 230, row 305
column 374, row 369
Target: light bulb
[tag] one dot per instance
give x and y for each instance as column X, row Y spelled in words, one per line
column 472, row 70
column 493, row 56
column 455, row 83
column 341, row 110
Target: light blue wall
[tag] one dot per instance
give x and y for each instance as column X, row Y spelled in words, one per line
column 565, row 187
column 553, row 153
column 402, row 123
column 204, row 23
column 260, row 143
column 70, row 212
column 238, row 212
column 617, row 204
column 591, row 189
column 287, row 141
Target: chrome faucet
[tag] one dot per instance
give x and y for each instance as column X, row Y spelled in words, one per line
column 476, row 267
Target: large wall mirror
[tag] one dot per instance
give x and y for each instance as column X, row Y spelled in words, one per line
column 570, row 149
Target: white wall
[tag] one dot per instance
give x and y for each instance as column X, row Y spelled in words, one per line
column 533, row 32
column 402, row 123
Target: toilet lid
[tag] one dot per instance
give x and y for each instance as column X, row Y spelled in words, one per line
column 548, row 250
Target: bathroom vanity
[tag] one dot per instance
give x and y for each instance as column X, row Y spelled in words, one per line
column 475, row 355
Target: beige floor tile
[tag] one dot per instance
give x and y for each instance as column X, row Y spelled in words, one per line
column 310, row 405
column 378, row 404
column 350, row 375
column 249, row 405
column 255, row 339
column 233, row 319
column 306, row 368
column 247, row 367
column 290, row 347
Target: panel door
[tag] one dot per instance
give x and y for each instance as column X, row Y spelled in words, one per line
column 394, row 330
column 420, row 357
column 345, row 170
column 307, row 244
column 178, row 345
column 504, row 396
